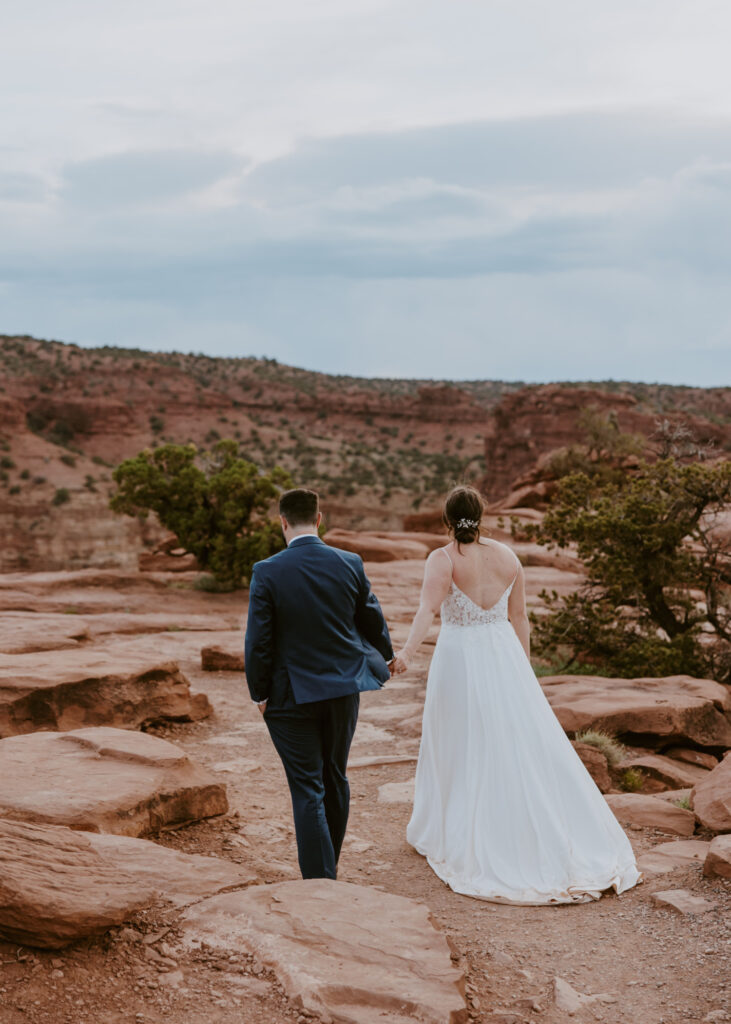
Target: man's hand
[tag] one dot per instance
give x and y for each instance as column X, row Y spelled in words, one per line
column 262, row 705
column 400, row 662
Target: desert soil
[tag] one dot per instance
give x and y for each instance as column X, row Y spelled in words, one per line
column 652, row 966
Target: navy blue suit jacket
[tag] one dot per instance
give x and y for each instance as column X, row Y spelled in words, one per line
column 315, row 629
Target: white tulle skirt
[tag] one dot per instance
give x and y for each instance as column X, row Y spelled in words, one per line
column 504, row 809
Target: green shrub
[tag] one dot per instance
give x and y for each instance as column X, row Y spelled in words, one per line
column 61, row 496
column 217, row 505
column 632, row 780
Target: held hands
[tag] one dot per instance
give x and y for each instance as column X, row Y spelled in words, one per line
column 401, row 662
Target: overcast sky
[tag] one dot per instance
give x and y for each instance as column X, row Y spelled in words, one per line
column 514, row 189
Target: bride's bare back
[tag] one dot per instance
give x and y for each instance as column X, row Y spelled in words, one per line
column 483, row 570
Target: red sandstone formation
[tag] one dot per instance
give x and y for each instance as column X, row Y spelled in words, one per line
column 529, row 424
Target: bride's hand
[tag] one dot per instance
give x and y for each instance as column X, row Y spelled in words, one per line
column 401, row 662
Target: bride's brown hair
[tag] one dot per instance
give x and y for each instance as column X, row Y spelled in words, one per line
column 463, row 510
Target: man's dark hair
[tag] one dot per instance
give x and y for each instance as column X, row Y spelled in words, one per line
column 299, row 506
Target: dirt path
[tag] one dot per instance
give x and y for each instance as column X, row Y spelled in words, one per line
column 653, row 966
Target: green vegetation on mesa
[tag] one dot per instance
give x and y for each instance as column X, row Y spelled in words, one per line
column 216, row 503
column 657, row 598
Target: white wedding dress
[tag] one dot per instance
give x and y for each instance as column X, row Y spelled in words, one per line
column 504, row 809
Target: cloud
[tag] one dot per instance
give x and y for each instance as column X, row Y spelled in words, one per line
column 561, row 246
column 144, row 177
column 592, row 150
column 21, row 187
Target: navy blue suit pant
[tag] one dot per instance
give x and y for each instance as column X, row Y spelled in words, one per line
column 313, row 741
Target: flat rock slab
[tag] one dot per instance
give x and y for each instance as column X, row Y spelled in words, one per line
column 69, row 689
column 668, row 856
column 682, row 901
column 386, row 714
column 711, row 798
column 690, row 756
column 57, row 885
column 21, row 633
column 104, row 780
column 378, row 547
column 343, row 952
column 571, row 1002
column 648, row 811
column 718, row 859
column 675, row 796
column 678, row 708
column 675, row 774
column 397, row 792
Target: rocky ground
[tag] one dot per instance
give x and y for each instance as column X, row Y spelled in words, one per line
column 618, row 960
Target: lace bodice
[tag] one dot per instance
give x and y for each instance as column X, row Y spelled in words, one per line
column 460, row 610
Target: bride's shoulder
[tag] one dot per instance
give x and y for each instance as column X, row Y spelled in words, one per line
column 499, row 548
column 440, row 560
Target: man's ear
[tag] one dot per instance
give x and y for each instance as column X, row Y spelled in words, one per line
column 283, row 521
column 318, row 521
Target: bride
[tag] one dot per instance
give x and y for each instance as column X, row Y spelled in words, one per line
column 504, row 809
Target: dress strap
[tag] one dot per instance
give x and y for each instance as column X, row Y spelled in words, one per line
column 517, row 571
column 449, row 557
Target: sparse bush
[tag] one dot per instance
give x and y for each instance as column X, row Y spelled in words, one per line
column 6, row 462
column 68, row 460
column 61, row 496
column 683, row 802
column 614, row 752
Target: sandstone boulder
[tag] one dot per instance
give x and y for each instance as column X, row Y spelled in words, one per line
column 672, row 773
column 654, row 711
column 216, row 659
column 667, row 856
column 682, row 902
column 711, row 798
column 65, row 689
column 537, row 555
column 160, row 561
column 342, row 952
column 690, row 756
column 718, row 859
column 595, row 763
column 648, row 811
column 679, row 797
column 104, row 780
column 57, row 885
column 373, row 548
column 432, row 541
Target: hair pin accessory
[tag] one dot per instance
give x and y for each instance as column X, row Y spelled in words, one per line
column 470, row 523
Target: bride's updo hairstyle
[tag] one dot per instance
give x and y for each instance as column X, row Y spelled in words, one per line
column 462, row 514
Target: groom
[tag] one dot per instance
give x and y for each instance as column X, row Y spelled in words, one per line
column 315, row 638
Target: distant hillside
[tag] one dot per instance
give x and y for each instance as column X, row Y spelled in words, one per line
column 376, row 449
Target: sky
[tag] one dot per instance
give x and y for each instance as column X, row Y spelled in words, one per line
column 506, row 189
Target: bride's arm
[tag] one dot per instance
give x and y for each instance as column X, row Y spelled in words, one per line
column 437, row 577
column 517, row 612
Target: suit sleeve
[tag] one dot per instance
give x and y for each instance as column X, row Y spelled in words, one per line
column 369, row 618
column 259, row 641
